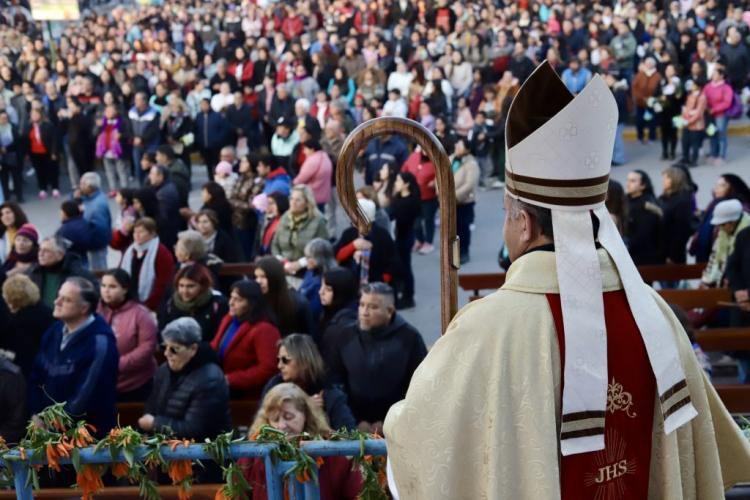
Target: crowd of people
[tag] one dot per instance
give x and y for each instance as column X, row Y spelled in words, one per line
column 263, row 95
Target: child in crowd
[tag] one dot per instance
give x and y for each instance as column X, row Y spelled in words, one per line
column 225, row 177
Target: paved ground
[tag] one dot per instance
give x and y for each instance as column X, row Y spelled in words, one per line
column 487, row 236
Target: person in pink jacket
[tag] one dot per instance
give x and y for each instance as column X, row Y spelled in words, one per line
column 135, row 329
column 719, row 95
column 316, row 172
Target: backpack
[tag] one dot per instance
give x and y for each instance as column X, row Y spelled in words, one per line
column 735, row 109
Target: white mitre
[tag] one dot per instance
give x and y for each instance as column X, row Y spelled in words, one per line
column 559, row 152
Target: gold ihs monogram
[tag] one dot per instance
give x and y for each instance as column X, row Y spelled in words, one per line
column 618, row 399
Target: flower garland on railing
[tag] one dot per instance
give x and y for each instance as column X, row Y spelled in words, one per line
column 56, row 436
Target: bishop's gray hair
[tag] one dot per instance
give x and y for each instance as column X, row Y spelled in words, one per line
column 542, row 216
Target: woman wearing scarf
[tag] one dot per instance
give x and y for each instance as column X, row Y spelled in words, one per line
column 300, row 225
column 149, row 263
column 246, row 341
column 195, row 297
column 24, row 253
column 109, row 150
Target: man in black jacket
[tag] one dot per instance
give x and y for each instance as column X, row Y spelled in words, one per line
column 13, row 414
column 735, row 55
column 644, row 224
column 375, row 360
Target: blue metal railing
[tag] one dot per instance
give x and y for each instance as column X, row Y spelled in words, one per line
column 274, row 471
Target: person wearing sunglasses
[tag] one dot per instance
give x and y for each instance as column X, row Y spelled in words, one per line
column 246, row 340
column 300, row 362
column 190, row 395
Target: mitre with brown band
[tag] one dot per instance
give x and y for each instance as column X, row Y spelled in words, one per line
column 559, row 152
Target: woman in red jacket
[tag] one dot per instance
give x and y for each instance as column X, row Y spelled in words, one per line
column 246, row 341
column 289, row 409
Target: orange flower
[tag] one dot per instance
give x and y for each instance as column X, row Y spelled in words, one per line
column 319, row 462
column 179, row 470
column 120, row 470
column 184, row 493
column 53, row 457
column 303, row 476
column 58, row 425
column 89, row 480
column 82, row 436
column 220, row 495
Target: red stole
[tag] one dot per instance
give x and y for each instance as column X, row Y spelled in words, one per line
column 621, row 470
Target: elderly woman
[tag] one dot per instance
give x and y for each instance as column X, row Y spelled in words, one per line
column 135, row 329
column 300, row 362
column 195, row 297
column 298, row 226
column 190, row 395
column 149, row 263
column 21, row 331
column 246, row 340
column 319, row 259
column 287, row 408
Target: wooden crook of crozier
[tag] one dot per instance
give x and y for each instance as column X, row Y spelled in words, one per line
column 449, row 253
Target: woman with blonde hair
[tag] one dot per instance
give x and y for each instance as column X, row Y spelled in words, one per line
column 289, row 409
column 302, row 223
column 22, row 329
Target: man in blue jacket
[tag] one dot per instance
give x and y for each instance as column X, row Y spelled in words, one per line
column 77, row 360
column 388, row 150
column 212, row 132
column 96, row 212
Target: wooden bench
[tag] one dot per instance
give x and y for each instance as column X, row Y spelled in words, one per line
column 199, row 492
column 237, row 269
column 243, row 412
column 476, row 282
column 736, row 397
column 696, row 298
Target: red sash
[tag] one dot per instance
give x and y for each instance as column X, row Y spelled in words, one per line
column 621, row 470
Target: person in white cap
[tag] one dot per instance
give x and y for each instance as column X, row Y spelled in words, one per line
column 730, row 218
column 574, row 380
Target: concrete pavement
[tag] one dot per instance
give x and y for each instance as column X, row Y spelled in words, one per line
column 486, row 238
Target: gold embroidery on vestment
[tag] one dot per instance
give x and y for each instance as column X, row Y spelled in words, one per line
column 619, row 399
